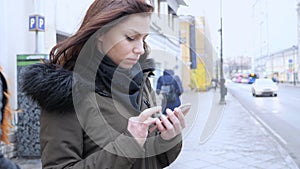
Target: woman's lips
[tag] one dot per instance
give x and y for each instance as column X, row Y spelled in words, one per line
column 133, row 60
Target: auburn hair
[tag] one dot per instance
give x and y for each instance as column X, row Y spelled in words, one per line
column 99, row 14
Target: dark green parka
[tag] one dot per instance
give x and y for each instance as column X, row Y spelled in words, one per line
column 87, row 129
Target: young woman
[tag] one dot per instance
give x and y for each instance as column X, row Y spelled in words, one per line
column 98, row 108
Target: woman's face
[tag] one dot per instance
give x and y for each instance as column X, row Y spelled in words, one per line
column 123, row 43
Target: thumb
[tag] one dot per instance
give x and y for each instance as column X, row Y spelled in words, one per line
column 150, row 121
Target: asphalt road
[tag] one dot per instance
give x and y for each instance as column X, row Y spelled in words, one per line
column 280, row 115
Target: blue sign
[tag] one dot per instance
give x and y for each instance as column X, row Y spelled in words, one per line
column 32, row 23
column 290, row 60
column 36, row 23
column 41, row 23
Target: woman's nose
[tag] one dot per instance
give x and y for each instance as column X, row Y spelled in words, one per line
column 139, row 48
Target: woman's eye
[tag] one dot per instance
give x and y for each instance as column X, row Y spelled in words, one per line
column 130, row 38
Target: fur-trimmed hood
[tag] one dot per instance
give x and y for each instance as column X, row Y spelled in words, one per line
column 49, row 85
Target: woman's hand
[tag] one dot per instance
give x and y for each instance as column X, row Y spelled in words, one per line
column 138, row 126
column 172, row 124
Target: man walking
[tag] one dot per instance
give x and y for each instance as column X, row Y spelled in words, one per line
column 170, row 86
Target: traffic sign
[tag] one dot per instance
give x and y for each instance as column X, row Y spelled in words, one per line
column 36, row 23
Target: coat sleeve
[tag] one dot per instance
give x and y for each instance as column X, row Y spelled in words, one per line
column 165, row 151
column 63, row 143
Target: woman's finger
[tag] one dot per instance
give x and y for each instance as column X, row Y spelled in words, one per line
column 174, row 120
column 165, row 121
column 148, row 113
column 180, row 117
column 158, row 125
column 150, row 121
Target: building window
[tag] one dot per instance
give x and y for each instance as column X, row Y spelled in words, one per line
column 171, row 18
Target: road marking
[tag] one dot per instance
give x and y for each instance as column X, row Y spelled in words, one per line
column 269, row 128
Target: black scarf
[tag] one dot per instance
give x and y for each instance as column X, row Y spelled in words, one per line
column 123, row 85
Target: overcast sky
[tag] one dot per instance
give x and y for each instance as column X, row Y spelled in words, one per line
column 250, row 27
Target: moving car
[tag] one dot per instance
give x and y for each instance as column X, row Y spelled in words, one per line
column 264, row 87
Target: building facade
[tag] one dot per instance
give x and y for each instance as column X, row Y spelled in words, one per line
column 164, row 38
column 282, row 65
column 197, row 53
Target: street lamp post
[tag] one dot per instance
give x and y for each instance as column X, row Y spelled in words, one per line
column 222, row 80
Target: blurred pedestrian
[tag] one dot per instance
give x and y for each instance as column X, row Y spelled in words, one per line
column 5, row 119
column 170, row 86
column 97, row 103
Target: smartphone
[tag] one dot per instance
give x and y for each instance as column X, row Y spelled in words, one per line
column 185, row 108
column 157, row 115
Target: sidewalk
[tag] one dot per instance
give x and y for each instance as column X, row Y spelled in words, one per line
column 238, row 141
column 289, row 84
column 220, row 137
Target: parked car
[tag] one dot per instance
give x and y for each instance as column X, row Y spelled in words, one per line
column 264, row 87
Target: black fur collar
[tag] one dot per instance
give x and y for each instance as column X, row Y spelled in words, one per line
column 50, row 86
